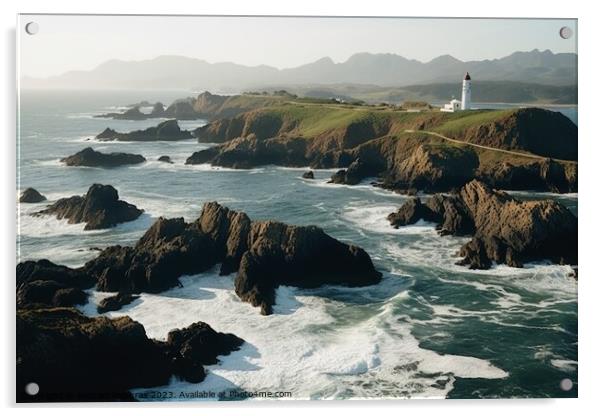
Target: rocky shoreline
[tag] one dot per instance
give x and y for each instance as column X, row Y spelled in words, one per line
column 77, row 358
column 504, row 230
column 99, row 208
column 165, row 131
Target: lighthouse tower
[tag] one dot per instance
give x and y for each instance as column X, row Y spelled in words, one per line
column 466, row 88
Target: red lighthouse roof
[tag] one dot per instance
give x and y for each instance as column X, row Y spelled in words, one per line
column 467, row 77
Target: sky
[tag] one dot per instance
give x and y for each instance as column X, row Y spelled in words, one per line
column 64, row 43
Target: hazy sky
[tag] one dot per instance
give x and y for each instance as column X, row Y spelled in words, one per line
column 66, row 43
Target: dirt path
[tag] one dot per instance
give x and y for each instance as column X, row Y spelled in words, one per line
column 494, row 149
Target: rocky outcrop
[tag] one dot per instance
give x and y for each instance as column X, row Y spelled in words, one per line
column 280, row 254
column 190, row 348
column 249, row 152
column 535, row 130
column 435, row 168
column 505, row 230
column 308, row 175
column 165, row 159
column 412, row 211
column 165, row 131
column 265, row 254
column 158, row 110
column 354, row 174
column 91, row 158
column 546, row 175
column 182, row 110
column 31, row 196
column 133, row 113
column 115, row 302
column 99, row 208
column 45, row 283
column 76, row 358
column 169, row 249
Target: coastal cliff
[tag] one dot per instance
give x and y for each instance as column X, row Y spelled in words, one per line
column 511, row 149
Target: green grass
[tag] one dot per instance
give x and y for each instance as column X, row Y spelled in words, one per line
column 459, row 122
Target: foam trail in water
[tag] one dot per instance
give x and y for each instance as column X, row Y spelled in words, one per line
column 301, row 348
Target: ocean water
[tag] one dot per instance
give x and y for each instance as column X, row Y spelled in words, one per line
column 429, row 329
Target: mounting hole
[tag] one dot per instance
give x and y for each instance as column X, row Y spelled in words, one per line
column 32, row 389
column 566, row 384
column 566, row 32
column 32, row 28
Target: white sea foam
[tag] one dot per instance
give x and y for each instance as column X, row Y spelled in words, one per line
column 373, row 218
column 300, row 348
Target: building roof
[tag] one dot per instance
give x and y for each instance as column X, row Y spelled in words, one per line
column 467, row 77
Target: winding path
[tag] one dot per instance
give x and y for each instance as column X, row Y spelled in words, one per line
column 494, row 149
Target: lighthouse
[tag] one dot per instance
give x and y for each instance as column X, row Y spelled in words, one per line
column 466, row 87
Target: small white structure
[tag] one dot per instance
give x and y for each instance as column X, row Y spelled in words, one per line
column 466, row 88
column 456, row 105
column 453, row 105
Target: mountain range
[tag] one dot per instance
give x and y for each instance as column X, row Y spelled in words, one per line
column 178, row 72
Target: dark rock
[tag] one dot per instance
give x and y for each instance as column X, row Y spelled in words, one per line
column 410, row 213
column 308, row 175
column 76, row 358
column 99, row 208
column 170, row 248
column 229, row 231
column 506, row 230
column 165, row 159
column 43, row 283
column 197, row 345
column 90, row 157
column 168, row 130
column 133, row 113
column 353, row 175
column 250, row 151
column 297, row 256
column 265, row 254
column 451, row 214
column 30, row 195
column 158, row 110
column 49, row 293
column 115, row 302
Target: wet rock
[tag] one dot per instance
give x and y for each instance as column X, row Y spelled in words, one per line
column 170, row 248
column 410, row 212
column 168, row 130
column 165, row 159
column 115, row 302
column 197, row 345
column 31, row 196
column 505, row 230
column 297, row 256
column 265, row 254
column 308, row 175
column 99, row 208
column 91, row 158
column 353, row 175
column 43, row 283
column 76, row 358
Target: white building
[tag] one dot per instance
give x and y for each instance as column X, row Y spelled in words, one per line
column 456, row 105
column 453, row 105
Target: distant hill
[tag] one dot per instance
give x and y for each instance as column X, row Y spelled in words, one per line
column 177, row 72
column 482, row 91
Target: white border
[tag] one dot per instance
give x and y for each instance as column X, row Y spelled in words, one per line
column 590, row 157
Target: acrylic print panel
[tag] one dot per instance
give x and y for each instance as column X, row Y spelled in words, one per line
column 276, row 208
